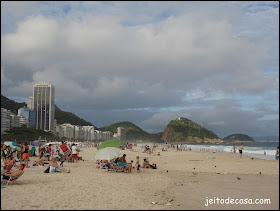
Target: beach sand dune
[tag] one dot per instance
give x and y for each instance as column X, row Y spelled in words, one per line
column 192, row 177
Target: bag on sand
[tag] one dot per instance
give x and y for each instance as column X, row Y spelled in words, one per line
column 47, row 170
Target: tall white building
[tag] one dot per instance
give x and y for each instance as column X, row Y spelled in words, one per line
column 88, row 133
column 23, row 121
column 43, row 105
column 14, row 120
column 30, row 103
column 121, row 133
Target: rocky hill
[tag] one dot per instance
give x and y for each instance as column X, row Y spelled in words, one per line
column 183, row 130
column 238, row 138
column 133, row 132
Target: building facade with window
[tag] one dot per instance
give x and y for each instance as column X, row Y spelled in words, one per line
column 43, row 105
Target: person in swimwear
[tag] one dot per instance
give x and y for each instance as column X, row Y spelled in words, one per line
column 9, row 163
column 16, row 173
column 240, row 150
column 25, row 154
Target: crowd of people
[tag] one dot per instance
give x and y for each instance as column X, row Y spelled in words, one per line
column 47, row 154
column 50, row 155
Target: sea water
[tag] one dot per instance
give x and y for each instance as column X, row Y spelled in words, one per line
column 262, row 150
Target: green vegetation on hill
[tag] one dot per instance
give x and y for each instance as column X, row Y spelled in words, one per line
column 27, row 134
column 133, row 133
column 10, row 104
column 127, row 125
column 188, row 128
column 238, row 137
column 68, row 117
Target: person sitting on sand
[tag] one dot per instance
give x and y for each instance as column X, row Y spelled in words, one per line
column 39, row 162
column 80, row 158
column 69, row 158
column 146, row 164
column 105, row 163
column 9, row 163
column 122, row 161
column 53, row 163
column 129, row 166
column 15, row 173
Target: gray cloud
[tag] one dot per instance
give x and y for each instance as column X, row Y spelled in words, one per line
column 100, row 65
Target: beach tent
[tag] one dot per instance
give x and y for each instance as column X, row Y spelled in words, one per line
column 111, row 143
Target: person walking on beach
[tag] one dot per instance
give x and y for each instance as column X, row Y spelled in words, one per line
column 234, row 148
column 240, row 150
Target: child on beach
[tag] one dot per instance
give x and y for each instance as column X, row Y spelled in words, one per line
column 137, row 164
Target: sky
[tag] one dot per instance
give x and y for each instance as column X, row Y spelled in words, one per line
column 148, row 62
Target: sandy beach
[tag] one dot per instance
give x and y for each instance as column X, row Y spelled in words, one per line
column 184, row 180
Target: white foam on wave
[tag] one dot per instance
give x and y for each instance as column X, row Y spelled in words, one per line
column 257, row 152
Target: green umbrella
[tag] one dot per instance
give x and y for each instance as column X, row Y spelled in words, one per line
column 110, row 143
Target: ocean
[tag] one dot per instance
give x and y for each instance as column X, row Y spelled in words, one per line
column 252, row 149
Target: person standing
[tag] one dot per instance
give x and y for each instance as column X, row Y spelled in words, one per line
column 75, row 152
column 3, row 152
column 234, row 148
column 277, row 154
column 20, row 151
column 137, row 164
column 25, row 154
column 240, row 150
column 48, row 153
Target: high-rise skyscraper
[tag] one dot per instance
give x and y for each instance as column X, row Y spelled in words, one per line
column 43, row 105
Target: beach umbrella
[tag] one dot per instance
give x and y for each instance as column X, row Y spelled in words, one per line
column 12, row 144
column 107, row 153
column 110, row 143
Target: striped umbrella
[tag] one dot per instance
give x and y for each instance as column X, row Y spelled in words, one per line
column 13, row 145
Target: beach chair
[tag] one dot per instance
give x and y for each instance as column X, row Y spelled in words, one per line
column 14, row 178
column 8, row 168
